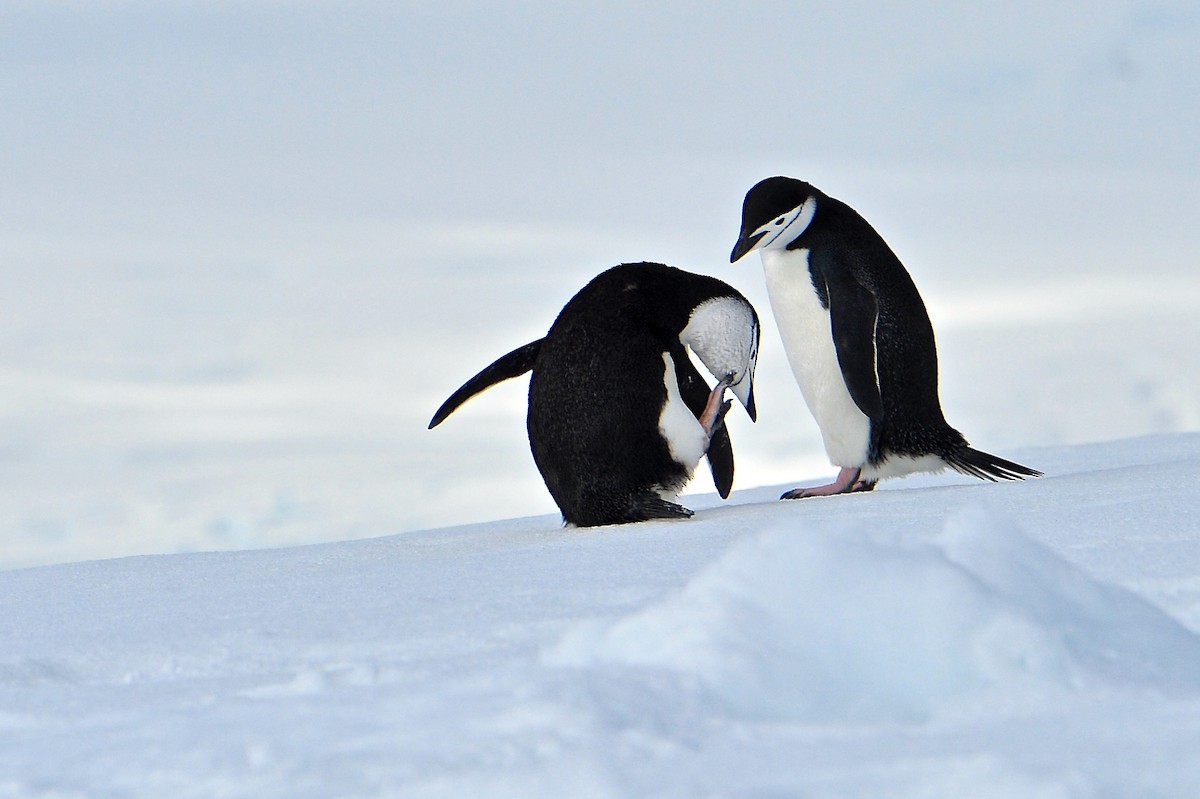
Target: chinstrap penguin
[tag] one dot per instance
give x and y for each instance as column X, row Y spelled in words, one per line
column 858, row 338
column 618, row 415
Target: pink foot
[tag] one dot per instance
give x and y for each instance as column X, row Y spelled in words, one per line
column 847, row 482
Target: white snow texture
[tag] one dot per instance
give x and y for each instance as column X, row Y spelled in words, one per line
column 962, row 638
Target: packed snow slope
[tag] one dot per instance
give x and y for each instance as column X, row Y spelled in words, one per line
column 938, row 637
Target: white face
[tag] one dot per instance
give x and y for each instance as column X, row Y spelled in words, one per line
column 724, row 335
column 785, row 228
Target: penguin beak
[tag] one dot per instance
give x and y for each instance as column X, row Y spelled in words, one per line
column 744, row 245
column 744, row 391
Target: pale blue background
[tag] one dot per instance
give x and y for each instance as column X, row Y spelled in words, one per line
column 247, row 248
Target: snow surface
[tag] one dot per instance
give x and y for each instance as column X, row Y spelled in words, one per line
column 938, row 637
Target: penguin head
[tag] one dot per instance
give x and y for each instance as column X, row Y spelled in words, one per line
column 723, row 332
column 775, row 213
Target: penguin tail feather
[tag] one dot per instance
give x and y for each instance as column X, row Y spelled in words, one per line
column 988, row 467
column 645, row 508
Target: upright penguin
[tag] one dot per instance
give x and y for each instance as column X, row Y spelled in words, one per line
column 858, row 338
column 618, row 416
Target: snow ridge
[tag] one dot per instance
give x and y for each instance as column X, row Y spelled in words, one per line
column 846, row 623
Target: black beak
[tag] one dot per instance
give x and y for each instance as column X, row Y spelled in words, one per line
column 745, row 245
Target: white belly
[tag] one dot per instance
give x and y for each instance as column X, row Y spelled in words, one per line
column 686, row 439
column 808, row 340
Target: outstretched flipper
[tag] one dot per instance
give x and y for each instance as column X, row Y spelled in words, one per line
column 514, row 364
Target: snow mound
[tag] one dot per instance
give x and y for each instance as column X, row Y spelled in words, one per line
column 844, row 623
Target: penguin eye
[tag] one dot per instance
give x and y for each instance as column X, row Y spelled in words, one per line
column 779, row 221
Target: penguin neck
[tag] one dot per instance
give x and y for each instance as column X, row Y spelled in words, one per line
column 786, row 271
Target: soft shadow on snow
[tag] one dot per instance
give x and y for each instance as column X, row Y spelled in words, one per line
column 839, row 623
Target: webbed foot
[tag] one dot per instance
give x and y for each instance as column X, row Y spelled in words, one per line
column 847, row 482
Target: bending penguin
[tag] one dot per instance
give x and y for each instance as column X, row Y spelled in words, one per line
column 619, row 417
column 858, row 338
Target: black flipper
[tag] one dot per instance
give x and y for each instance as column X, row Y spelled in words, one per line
column 694, row 391
column 852, row 315
column 720, row 455
column 514, row 364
